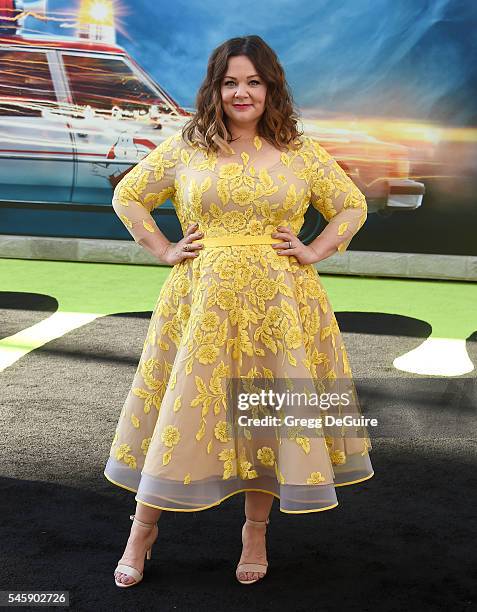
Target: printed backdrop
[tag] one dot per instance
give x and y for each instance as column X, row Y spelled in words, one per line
column 390, row 74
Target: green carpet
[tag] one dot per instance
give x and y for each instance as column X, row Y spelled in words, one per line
column 102, row 288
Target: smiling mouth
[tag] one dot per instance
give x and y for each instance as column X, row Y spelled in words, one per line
column 242, row 105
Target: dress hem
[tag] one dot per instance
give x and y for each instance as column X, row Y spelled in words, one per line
column 234, row 493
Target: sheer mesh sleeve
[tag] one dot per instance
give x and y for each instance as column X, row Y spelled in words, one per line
column 337, row 198
column 145, row 187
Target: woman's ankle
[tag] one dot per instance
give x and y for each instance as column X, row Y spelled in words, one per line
column 146, row 514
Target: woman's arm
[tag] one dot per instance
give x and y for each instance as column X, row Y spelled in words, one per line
column 338, row 199
column 145, row 187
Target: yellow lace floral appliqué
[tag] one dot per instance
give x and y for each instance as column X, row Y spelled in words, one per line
column 214, row 396
column 155, row 384
column 257, row 143
column 227, row 456
column 170, row 436
column 123, row 454
column 145, row 445
column 315, row 478
column 266, row 456
column 223, row 431
column 245, row 467
column 337, row 457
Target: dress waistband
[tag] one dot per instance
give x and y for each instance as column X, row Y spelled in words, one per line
column 237, row 239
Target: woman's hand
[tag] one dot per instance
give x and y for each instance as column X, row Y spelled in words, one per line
column 304, row 254
column 175, row 252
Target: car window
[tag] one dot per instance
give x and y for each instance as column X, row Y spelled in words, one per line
column 104, row 82
column 26, row 85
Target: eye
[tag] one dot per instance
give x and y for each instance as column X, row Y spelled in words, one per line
column 232, row 83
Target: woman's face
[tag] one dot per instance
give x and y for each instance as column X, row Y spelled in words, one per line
column 243, row 92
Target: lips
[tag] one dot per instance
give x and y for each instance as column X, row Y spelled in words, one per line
column 241, row 105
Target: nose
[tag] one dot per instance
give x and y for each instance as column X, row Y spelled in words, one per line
column 241, row 92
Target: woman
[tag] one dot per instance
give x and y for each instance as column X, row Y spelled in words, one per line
column 243, row 301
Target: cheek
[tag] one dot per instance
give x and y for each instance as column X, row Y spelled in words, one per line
column 261, row 96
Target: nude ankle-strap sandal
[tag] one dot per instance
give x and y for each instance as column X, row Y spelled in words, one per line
column 128, row 569
column 252, row 567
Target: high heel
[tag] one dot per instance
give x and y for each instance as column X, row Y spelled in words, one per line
column 128, row 569
column 252, row 567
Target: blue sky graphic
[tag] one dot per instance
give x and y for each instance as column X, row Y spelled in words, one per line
column 402, row 59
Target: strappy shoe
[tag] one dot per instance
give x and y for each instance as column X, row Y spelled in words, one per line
column 128, row 569
column 252, row 567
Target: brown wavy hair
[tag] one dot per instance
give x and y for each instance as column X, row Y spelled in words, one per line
column 278, row 123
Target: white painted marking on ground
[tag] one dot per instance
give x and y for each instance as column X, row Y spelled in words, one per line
column 437, row 356
column 58, row 324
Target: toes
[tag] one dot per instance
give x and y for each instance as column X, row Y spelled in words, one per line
column 250, row 575
column 123, row 578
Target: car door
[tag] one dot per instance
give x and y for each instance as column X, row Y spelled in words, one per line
column 36, row 152
column 113, row 128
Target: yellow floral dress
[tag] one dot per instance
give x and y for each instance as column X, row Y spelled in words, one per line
column 238, row 314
